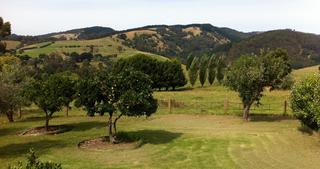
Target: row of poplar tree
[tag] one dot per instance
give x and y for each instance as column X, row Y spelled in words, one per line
column 209, row 68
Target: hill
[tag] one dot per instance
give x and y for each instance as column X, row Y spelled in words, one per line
column 104, row 46
column 179, row 40
column 303, row 48
column 172, row 41
column 299, row 74
column 94, row 32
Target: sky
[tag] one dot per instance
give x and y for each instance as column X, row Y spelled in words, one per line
column 34, row 17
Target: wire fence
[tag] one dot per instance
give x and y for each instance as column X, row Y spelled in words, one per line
column 224, row 107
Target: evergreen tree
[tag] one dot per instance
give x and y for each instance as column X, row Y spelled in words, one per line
column 189, row 61
column 220, row 68
column 212, row 69
column 193, row 71
column 203, row 69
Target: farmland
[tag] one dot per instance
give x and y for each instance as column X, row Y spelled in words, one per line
column 187, row 138
column 104, row 46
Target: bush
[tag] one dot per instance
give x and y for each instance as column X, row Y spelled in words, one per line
column 34, row 163
column 286, row 83
column 305, row 101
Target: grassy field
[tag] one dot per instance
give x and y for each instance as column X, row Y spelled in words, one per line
column 105, row 46
column 188, row 137
column 169, row 141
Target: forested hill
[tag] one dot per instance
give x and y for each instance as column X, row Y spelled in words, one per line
column 179, row 40
column 171, row 41
column 94, row 32
column 303, row 48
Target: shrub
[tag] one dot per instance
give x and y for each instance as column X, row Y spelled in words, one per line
column 34, row 163
column 305, row 101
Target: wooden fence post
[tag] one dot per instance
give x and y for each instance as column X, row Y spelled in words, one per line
column 226, row 106
column 170, row 105
column 285, row 108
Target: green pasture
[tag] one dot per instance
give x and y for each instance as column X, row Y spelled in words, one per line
column 190, row 136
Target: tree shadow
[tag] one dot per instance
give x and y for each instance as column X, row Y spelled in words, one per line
column 18, row 149
column 32, row 119
column 9, row 130
column 305, row 130
column 153, row 136
column 83, row 126
column 269, row 117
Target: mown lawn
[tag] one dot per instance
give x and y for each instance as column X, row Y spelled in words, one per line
column 170, row 141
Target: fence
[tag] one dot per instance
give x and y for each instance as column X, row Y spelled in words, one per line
column 222, row 107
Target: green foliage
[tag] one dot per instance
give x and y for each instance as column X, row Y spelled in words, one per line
column 248, row 75
column 286, row 83
column 305, row 101
column 203, row 66
column 13, row 78
column 189, row 61
column 220, row 68
column 127, row 91
column 212, row 69
column 33, row 162
column 5, row 28
column 135, row 94
column 49, row 93
column 164, row 74
column 193, row 71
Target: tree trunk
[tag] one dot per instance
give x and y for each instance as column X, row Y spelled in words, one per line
column 10, row 116
column 67, row 110
column 20, row 112
column 111, row 136
column 115, row 124
column 246, row 110
column 47, row 121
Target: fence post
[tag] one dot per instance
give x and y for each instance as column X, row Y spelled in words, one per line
column 170, row 105
column 285, row 108
column 226, row 106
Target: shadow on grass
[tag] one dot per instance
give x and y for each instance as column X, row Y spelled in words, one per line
column 83, row 126
column 269, row 117
column 19, row 149
column 153, row 136
column 10, row 131
column 305, row 130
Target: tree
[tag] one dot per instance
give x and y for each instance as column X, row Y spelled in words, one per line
column 173, row 74
column 48, row 94
column 128, row 92
column 211, row 69
column 193, row 71
column 164, row 74
column 305, row 101
column 220, row 67
column 68, row 91
column 248, row 75
column 189, row 61
column 203, row 66
column 5, row 30
column 12, row 80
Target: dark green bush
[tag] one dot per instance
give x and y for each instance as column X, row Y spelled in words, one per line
column 305, row 101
